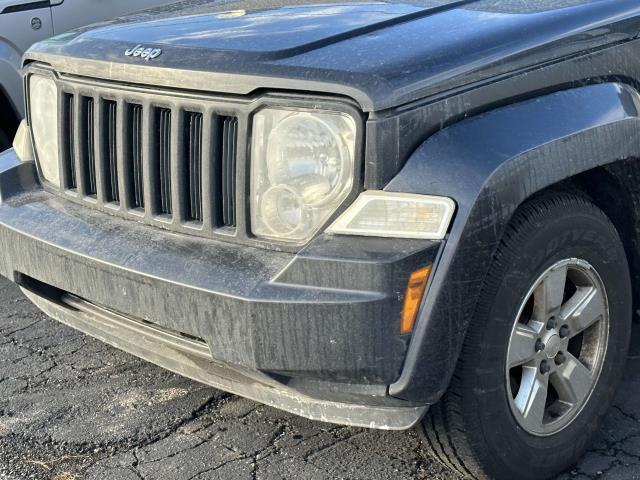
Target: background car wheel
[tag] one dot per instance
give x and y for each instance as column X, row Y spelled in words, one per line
column 5, row 142
column 544, row 350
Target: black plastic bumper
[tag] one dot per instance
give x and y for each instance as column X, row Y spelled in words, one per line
column 323, row 322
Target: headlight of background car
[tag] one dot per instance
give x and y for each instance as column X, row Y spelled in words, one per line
column 302, row 169
column 43, row 116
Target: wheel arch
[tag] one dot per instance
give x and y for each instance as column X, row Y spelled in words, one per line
column 490, row 165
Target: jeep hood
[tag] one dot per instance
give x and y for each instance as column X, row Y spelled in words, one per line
column 382, row 54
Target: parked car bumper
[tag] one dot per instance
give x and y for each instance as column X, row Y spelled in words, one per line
column 316, row 332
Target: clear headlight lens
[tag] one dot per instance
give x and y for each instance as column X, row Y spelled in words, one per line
column 302, row 170
column 43, row 116
column 400, row 215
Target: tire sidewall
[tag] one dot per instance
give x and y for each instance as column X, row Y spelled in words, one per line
column 569, row 234
column 5, row 142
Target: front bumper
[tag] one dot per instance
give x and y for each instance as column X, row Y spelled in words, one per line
column 315, row 333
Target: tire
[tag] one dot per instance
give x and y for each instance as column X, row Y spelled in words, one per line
column 5, row 142
column 478, row 429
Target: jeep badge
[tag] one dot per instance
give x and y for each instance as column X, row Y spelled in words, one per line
column 146, row 53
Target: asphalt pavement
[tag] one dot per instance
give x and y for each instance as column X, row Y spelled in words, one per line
column 72, row 407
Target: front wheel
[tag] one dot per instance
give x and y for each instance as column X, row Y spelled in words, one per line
column 545, row 349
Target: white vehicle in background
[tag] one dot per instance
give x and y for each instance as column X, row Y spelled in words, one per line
column 24, row 22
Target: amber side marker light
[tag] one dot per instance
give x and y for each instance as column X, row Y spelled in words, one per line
column 412, row 298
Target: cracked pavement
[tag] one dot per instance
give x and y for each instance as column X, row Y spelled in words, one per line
column 72, row 407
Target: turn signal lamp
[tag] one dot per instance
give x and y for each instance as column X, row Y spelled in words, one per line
column 413, row 297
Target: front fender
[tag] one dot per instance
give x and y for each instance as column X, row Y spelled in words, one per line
column 489, row 165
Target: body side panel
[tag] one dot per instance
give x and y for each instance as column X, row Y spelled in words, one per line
column 16, row 35
column 10, row 79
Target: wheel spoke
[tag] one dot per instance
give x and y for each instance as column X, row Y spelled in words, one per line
column 532, row 397
column 583, row 309
column 522, row 347
column 572, row 380
column 548, row 296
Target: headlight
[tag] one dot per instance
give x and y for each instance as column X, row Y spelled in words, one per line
column 43, row 117
column 302, row 170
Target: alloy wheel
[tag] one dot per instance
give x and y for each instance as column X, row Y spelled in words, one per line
column 557, row 347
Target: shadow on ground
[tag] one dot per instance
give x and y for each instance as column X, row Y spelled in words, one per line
column 74, row 408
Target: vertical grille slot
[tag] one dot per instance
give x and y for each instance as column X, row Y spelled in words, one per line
column 133, row 155
column 162, row 161
column 193, row 154
column 69, row 158
column 110, row 152
column 228, row 152
column 88, row 146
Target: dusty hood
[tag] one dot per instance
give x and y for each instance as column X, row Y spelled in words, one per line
column 382, row 54
column 260, row 34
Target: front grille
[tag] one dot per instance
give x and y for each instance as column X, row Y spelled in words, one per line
column 150, row 157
